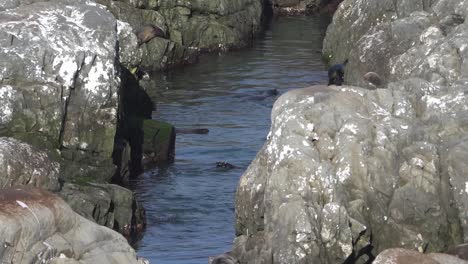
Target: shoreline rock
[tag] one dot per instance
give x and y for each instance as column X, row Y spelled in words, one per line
column 39, row 227
column 346, row 168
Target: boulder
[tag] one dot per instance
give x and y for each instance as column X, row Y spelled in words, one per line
column 348, row 172
column 39, row 227
column 23, row 164
column 59, row 81
column 108, row 205
column 405, row 256
column 292, row 7
column 191, row 27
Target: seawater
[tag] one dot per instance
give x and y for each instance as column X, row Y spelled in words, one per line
column 190, row 203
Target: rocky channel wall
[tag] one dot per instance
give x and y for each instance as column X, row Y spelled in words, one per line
column 347, row 172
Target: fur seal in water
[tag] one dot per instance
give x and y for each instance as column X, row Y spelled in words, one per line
column 192, row 131
column 225, row 165
column 373, row 78
column 336, row 73
column 149, row 32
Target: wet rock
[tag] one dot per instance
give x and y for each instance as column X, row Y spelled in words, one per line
column 39, row 227
column 292, row 7
column 192, row 27
column 159, row 141
column 108, row 205
column 23, row 164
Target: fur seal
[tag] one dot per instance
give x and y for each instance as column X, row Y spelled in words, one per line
column 225, row 165
column 148, row 32
column 192, row 131
column 336, row 73
column 373, row 78
column 225, row 258
column 329, row 6
column 461, row 251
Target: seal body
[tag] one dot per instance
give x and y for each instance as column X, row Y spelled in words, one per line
column 336, row 73
column 373, row 78
column 148, row 32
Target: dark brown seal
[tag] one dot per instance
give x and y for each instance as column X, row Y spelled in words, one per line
column 149, row 32
column 373, row 78
column 461, row 251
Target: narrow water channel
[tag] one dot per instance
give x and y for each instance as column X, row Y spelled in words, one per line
column 190, row 204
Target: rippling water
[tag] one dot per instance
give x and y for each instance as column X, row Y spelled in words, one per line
column 190, row 204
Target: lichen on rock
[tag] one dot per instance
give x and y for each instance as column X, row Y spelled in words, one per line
column 388, row 160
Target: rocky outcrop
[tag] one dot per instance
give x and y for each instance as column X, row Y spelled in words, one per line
column 39, row 227
column 108, row 205
column 405, row 256
column 347, row 172
column 192, row 27
column 22, row 164
column 59, row 81
column 304, row 6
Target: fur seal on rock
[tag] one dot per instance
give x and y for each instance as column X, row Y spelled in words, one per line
column 461, row 251
column 225, row 258
column 374, row 79
column 336, row 73
column 148, row 32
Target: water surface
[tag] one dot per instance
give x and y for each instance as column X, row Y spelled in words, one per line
column 190, row 204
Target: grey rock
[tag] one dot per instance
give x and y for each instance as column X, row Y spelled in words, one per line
column 385, row 167
column 192, row 27
column 22, row 164
column 106, row 204
column 39, row 227
column 405, row 256
column 295, row 6
column 59, row 80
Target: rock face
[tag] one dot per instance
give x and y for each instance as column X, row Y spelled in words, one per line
column 347, row 172
column 304, row 6
column 60, row 76
column 22, row 164
column 39, row 227
column 192, row 26
column 107, row 204
column 405, row 256
column 59, row 81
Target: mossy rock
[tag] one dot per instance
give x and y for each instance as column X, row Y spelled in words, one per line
column 159, row 140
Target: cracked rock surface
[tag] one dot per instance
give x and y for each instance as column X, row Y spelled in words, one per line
column 64, row 237
column 347, row 172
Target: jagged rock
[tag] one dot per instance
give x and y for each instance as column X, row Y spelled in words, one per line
column 192, row 27
column 405, row 256
column 107, row 204
column 389, row 161
column 39, row 227
column 304, row 6
column 59, row 81
column 22, row 164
